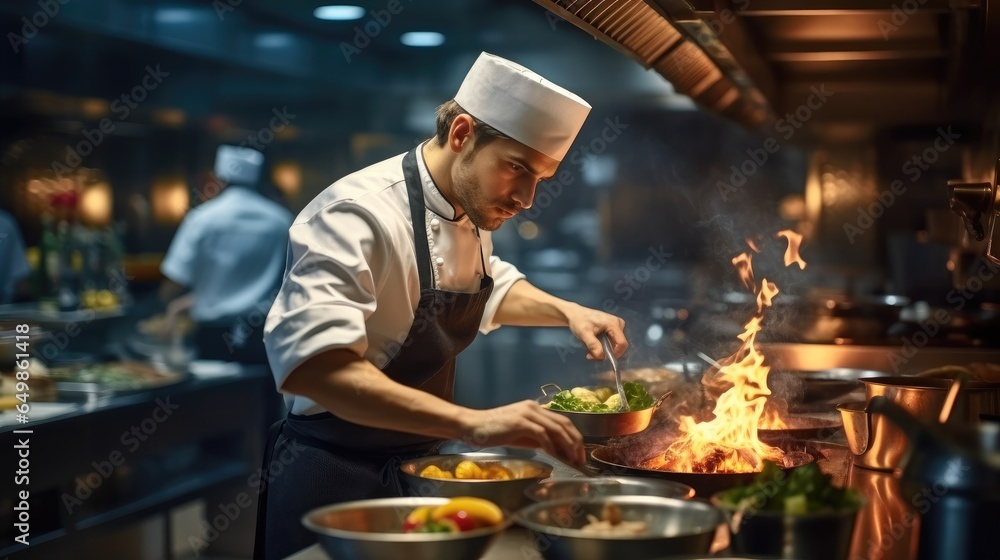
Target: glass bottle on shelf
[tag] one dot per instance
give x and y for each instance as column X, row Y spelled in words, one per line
column 68, row 297
column 92, row 274
column 47, row 278
column 117, row 281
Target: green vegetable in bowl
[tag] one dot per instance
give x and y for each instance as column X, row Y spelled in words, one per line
column 803, row 490
column 581, row 399
column 109, row 375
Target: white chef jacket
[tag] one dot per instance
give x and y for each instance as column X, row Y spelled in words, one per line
column 351, row 280
column 230, row 251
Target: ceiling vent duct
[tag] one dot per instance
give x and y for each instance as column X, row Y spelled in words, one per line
column 669, row 37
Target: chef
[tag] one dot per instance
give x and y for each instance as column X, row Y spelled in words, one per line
column 14, row 269
column 390, row 275
column 225, row 263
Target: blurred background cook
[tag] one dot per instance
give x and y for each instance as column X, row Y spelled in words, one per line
column 14, row 269
column 225, row 263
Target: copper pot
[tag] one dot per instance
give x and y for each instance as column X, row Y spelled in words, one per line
column 878, row 443
column 604, row 424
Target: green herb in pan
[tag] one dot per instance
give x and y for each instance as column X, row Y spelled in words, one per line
column 580, row 399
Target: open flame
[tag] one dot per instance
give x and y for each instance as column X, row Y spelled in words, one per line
column 792, row 251
column 743, row 265
column 729, row 442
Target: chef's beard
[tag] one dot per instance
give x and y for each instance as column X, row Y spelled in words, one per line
column 470, row 196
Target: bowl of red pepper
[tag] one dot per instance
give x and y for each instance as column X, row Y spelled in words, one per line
column 413, row 528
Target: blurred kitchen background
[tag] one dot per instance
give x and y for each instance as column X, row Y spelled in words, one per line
column 714, row 122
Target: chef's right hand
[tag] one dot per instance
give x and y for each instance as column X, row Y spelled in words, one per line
column 526, row 424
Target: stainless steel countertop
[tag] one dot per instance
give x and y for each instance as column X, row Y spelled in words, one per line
column 882, row 530
column 513, row 543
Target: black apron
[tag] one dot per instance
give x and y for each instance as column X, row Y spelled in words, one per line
column 316, row 460
column 227, row 341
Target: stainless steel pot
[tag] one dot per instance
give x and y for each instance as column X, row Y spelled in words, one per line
column 878, row 443
column 957, row 467
column 604, row 424
column 924, row 397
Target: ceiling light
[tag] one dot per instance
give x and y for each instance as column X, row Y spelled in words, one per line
column 175, row 15
column 272, row 40
column 339, row 13
column 421, row 39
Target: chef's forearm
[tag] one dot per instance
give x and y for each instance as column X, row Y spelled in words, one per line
column 355, row 390
column 527, row 306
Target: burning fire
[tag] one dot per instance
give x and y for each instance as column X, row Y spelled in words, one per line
column 728, row 442
column 745, row 268
column 792, row 251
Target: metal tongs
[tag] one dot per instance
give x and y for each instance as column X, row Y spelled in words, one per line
column 610, row 355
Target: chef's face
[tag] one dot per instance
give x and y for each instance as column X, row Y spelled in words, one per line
column 496, row 181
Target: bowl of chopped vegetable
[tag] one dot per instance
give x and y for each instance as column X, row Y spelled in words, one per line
column 593, row 410
column 410, row 528
column 793, row 514
column 633, row 527
column 497, row 478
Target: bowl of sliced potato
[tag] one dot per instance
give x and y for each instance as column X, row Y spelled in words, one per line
column 594, row 410
column 500, row 479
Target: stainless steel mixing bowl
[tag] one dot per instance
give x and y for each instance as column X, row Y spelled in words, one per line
column 372, row 530
column 508, row 494
column 674, row 526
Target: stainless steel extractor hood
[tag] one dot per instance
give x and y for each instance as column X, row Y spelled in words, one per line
column 887, row 62
column 644, row 31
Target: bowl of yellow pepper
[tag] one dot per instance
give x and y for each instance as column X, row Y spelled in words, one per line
column 500, row 479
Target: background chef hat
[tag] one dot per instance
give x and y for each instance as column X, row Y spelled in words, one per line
column 235, row 165
column 522, row 105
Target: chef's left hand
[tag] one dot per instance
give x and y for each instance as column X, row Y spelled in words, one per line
column 588, row 324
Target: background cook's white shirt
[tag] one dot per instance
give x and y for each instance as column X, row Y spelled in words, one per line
column 13, row 262
column 351, row 279
column 230, row 251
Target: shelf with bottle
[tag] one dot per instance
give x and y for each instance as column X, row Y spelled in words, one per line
column 104, row 282
column 79, row 267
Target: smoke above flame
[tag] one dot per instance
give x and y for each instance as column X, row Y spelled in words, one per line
column 729, row 442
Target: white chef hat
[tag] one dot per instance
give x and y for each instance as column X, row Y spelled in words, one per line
column 522, row 105
column 238, row 165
